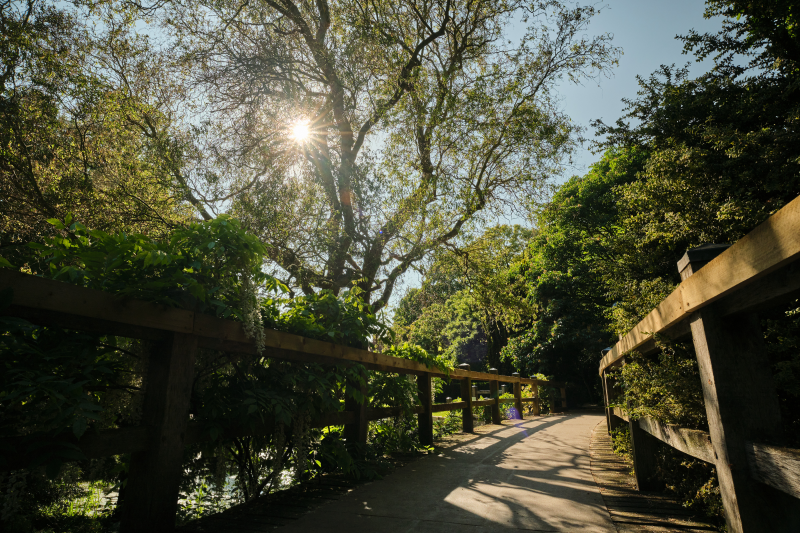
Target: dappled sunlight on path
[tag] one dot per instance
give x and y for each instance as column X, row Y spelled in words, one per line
column 530, row 475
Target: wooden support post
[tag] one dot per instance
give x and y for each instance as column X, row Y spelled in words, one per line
column 494, row 392
column 612, row 420
column 603, row 381
column 537, row 405
column 151, row 494
column 466, row 396
column 518, row 397
column 425, row 419
column 741, row 405
column 564, row 399
column 357, row 431
column 644, row 448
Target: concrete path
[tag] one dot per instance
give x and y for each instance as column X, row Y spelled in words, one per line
column 532, row 475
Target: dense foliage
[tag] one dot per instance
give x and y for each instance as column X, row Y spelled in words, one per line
column 467, row 301
column 693, row 161
column 56, row 381
column 85, row 125
column 139, row 120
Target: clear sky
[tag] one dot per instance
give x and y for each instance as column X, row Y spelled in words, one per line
column 645, row 30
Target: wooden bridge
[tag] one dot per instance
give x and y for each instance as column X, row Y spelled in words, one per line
column 716, row 305
column 157, row 446
column 527, row 474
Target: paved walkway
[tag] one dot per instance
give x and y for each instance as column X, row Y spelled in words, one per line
column 532, row 475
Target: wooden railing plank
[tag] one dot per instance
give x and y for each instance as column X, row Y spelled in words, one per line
column 454, row 406
column 57, row 303
column 771, row 245
column 39, row 293
column 781, row 286
column 689, row 441
column 616, row 411
column 775, row 466
column 768, row 248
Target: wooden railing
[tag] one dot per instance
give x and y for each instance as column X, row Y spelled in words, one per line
column 156, row 447
column 716, row 305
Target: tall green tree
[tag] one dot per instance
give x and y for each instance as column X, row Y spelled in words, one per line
column 467, row 303
column 85, row 125
column 355, row 137
column 570, row 272
column 724, row 148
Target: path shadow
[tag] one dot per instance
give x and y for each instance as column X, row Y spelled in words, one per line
column 529, row 475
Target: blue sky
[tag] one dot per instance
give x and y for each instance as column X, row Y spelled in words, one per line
column 645, row 30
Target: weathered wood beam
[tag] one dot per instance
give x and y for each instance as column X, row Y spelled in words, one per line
column 454, row 406
column 49, row 302
column 155, row 473
column 619, row 413
column 467, row 424
column 775, row 466
column 643, row 453
column 692, row 442
column 777, row 288
column 357, row 430
column 494, row 392
column 518, row 398
column 44, row 317
column 425, row 417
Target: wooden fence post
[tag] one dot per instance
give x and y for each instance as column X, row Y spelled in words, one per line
column 151, row 494
column 564, row 398
column 643, row 450
column 607, row 409
column 466, row 396
column 518, row 396
column 612, row 420
column 357, row 431
column 425, row 419
column 494, row 392
column 741, row 405
column 537, row 406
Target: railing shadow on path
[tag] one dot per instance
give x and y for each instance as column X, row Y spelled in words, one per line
column 524, row 475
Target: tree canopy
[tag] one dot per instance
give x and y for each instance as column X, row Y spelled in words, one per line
column 85, row 126
column 420, row 120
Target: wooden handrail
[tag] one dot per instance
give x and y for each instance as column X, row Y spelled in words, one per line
column 717, row 306
column 769, row 247
column 772, row 465
column 177, row 334
column 47, row 301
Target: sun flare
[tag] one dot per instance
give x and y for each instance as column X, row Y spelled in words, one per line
column 300, row 131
